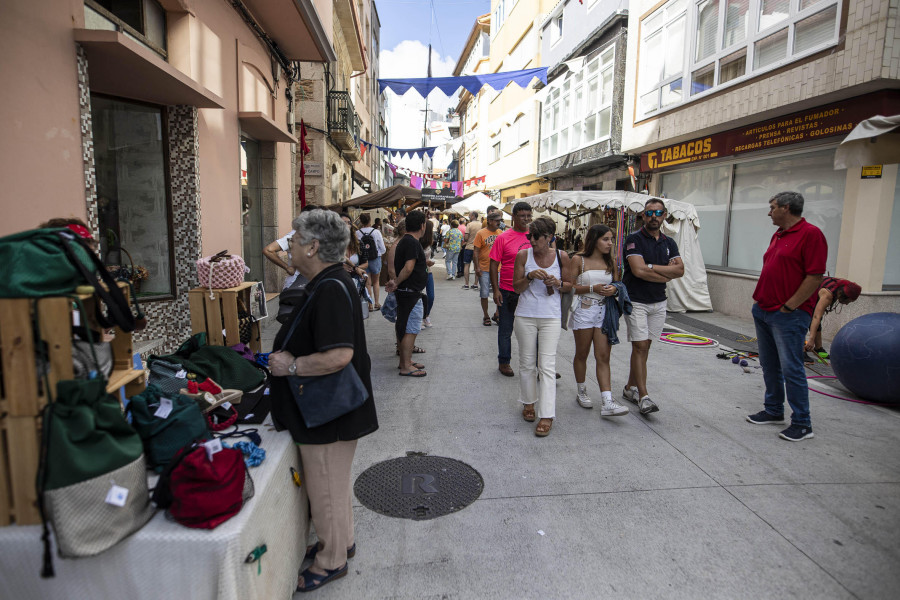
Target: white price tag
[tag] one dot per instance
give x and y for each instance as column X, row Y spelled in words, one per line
column 226, row 405
column 212, row 446
column 182, row 374
column 165, row 408
column 76, row 318
column 117, row 495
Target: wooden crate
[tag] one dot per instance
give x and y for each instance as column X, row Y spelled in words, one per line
column 217, row 309
column 23, row 394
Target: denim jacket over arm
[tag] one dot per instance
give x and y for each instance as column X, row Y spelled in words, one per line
column 615, row 307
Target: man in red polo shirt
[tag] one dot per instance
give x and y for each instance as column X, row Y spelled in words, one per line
column 792, row 271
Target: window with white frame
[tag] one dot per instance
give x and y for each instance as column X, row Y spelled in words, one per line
column 689, row 47
column 495, row 151
column 556, row 29
column 523, row 131
column 501, row 11
column 578, row 108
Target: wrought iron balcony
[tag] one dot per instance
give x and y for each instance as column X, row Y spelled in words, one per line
column 343, row 124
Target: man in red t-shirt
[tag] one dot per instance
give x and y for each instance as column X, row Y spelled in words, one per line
column 503, row 260
column 792, row 271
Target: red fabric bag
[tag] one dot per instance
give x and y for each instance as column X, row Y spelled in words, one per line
column 201, row 493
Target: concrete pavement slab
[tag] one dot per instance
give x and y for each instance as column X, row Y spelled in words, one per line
column 690, row 502
column 851, row 531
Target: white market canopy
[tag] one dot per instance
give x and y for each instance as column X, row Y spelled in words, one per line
column 579, row 201
column 688, row 293
column 477, row 202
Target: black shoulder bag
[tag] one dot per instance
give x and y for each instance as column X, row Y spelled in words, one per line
column 323, row 398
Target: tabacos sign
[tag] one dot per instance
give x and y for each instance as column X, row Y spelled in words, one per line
column 679, row 154
column 837, row 119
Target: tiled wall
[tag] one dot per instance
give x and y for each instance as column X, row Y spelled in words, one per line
column 168, row 321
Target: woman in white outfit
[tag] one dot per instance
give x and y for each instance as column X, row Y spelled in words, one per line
column 538, row 279
column 593, row 270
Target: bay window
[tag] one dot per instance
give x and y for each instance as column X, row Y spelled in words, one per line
column 710, row 43
column 577, row 110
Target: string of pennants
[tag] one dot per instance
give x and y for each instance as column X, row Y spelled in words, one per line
column 403, row 152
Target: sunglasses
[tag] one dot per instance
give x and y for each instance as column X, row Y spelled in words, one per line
column 529, row 236
column 655, row 213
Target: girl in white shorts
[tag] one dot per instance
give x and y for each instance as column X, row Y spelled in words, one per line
column 593, row 270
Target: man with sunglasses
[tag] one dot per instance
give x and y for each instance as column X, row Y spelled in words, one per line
column 651, row 260
column 503, row 261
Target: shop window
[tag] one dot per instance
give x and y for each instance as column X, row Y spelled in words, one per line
column 251, row 208
column 732, row 202
column 812, row 174
column 708, row 190
column 724, row 37
column 144, row 19
column 891, row 265
column 133, row 202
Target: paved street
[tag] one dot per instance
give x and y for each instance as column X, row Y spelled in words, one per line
column 691, row 502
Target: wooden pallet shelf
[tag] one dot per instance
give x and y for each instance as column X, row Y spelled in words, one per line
column 217, row 309
column 23, row 394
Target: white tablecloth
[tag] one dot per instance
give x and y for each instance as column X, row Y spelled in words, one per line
column 166, row 560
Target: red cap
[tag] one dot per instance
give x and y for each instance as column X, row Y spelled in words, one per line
column 851, row 290
column 81, row 230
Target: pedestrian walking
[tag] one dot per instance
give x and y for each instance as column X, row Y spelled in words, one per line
column 785, row 298
column 372, row 248
column 503, row 260
column 407, row 285
column 482, row 244
column 539, row 277
column 651, row 260
column 468, row 253
column 594, row 271
column 452, row 245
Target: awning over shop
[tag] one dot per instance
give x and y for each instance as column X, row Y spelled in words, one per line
column 261, row 127
column 874, row 141
column 122, row 67
column 387, row 197
column 688, row 293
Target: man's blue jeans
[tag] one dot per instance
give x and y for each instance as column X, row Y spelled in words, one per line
column 429, row 292
column 780, row 338
column 507, row 312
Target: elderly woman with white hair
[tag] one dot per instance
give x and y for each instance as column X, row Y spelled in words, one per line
column 328, row 336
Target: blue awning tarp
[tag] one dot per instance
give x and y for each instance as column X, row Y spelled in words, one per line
column 472, row 83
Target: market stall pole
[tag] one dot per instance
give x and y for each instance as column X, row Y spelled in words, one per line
column 24, row 395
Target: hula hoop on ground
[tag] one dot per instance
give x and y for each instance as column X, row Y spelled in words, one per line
column 676, row 339
column 841, row 397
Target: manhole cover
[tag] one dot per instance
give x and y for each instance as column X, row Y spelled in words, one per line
column 418, row 487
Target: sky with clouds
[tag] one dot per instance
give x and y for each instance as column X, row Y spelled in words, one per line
column 407, row 27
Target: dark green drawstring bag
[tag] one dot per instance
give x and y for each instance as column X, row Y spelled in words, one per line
column 166, row 423
column 55, row 261
column 220, row 363
column 92, row 480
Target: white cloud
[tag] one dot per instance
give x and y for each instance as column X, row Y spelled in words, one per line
column 405, row 119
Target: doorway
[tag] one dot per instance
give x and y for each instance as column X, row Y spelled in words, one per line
column 251, row 208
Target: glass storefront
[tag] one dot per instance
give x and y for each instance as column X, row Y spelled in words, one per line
column 732, row 202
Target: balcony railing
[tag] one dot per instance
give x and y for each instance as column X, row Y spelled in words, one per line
column 343, row 123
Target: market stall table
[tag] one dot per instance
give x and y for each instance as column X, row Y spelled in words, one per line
column 167, row 560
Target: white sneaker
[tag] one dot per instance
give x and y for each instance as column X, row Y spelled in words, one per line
column 584, row 401
column 647, row 406
column 427, row 322
column 631, row 394
column 611, row 408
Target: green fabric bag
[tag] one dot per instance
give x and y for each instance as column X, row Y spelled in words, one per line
column 164, row 436
column 88, row 451
column 55, row 261
column 37, row 264
column 225, row 366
